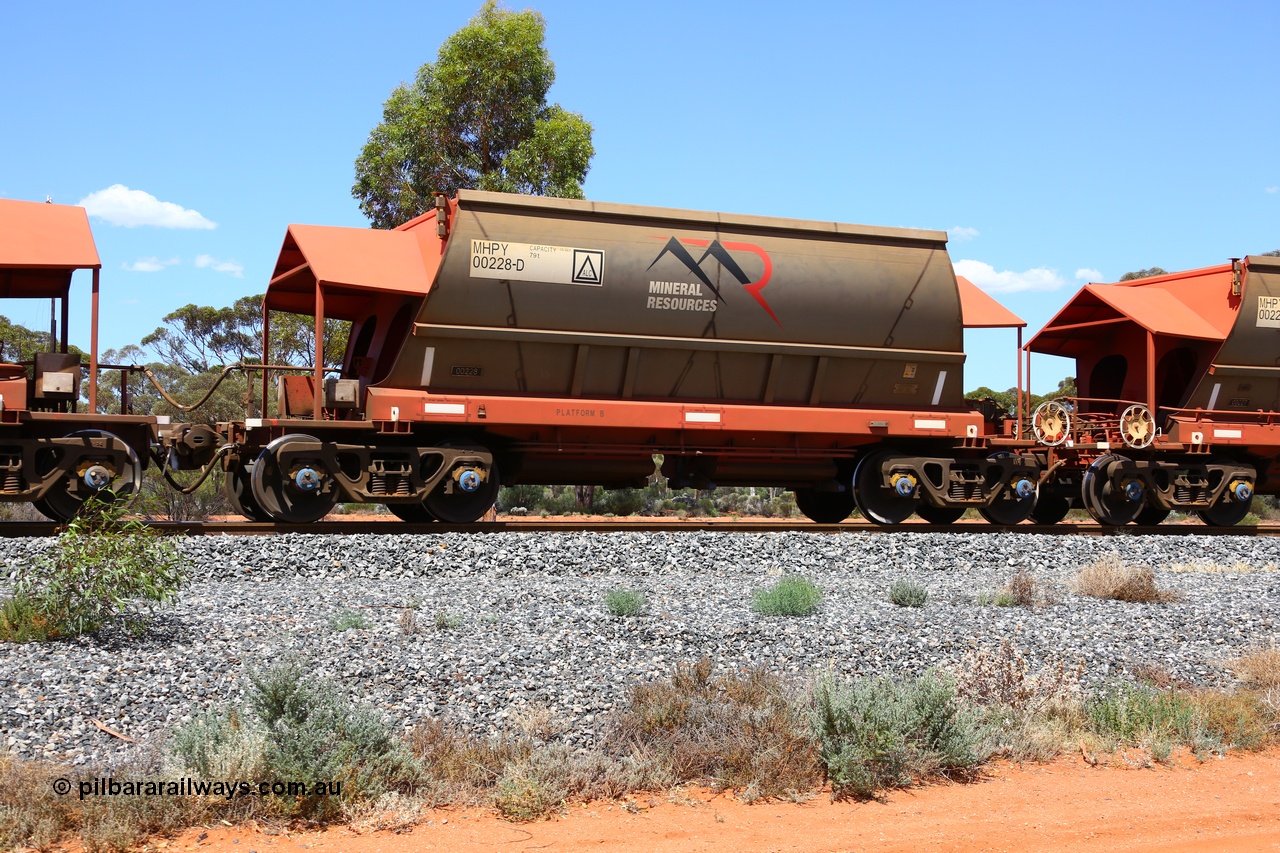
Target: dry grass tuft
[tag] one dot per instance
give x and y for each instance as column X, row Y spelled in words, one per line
column 538, row 721
column 458, row 767
column 1239, row 720
column 733, row 731
column 1114, row 579
column 1259, row 669
column 392, row 811
column 30, row 816
column 1159, row 677
column 1001, row 676
column 34, row 815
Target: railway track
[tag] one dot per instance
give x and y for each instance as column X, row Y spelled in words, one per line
column 391, row 526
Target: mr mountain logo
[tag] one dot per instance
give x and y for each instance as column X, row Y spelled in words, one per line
column 690, row 296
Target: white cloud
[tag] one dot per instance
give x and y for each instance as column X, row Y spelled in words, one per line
column 1007, row 281
column 119, row 205
column 151, row 264
column 209, row 262
column 962, row 233
column 1273, row 190
column 1086, row 274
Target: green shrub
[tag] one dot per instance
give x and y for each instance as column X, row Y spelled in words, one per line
column 522, row 793
column 103, row 569
column 792, row 595
column 877, row 734
column 527, row 496
column 1131, row 714
column 625, row 602
column 1127, row 714
column 906, row 593
column 623, row 501
column 23, row 621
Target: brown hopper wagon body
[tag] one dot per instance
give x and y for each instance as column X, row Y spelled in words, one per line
column 533, row 340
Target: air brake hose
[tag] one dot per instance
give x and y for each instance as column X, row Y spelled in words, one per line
column 179, row 406
column 204, row 473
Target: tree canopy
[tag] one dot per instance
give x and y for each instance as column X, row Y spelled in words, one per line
column 1008, row 399
column 475, row 118
column 1147, row 273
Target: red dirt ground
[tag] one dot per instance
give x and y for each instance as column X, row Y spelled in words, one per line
column 1230, row 804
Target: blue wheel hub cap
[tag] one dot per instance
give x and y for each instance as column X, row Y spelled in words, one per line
column 307, row 479
column 97, row 477
column 1243, row 492
column 1133, row 490
column 1024, row 489
column 469, row 480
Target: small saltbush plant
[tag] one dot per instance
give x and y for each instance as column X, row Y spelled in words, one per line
column 103, row 569
column 295, row 727
column 445, row 620
column 905, row 593
column 792, row 595
column 624, row 602
column 349, row 620
column 876, row 733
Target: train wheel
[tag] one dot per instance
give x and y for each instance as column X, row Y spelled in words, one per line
column 1014, row 504
column 879, row 503
column 102, row 476
column 1226, row 513
column 412, row 513
column 1107, row 505
column 825, row 507
column 239, row 491
column 939, row 514
column 1151, row 515
column 293, row 496
column 1050, row 509
column 461, row 506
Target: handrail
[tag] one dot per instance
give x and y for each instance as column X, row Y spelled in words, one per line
column 239, row 365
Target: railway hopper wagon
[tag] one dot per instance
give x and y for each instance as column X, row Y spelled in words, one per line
column 54, row 452
column 504, row 339
column 1179, row 391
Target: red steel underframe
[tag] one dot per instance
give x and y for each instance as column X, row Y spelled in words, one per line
column 495, row 410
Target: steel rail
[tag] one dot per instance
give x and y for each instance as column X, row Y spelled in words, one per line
column 392, row 526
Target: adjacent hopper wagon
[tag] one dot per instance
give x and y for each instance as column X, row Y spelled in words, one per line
column 54, row 452
column 1179, row 388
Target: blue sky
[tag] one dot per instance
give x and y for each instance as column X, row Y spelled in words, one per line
column 1058, row 143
